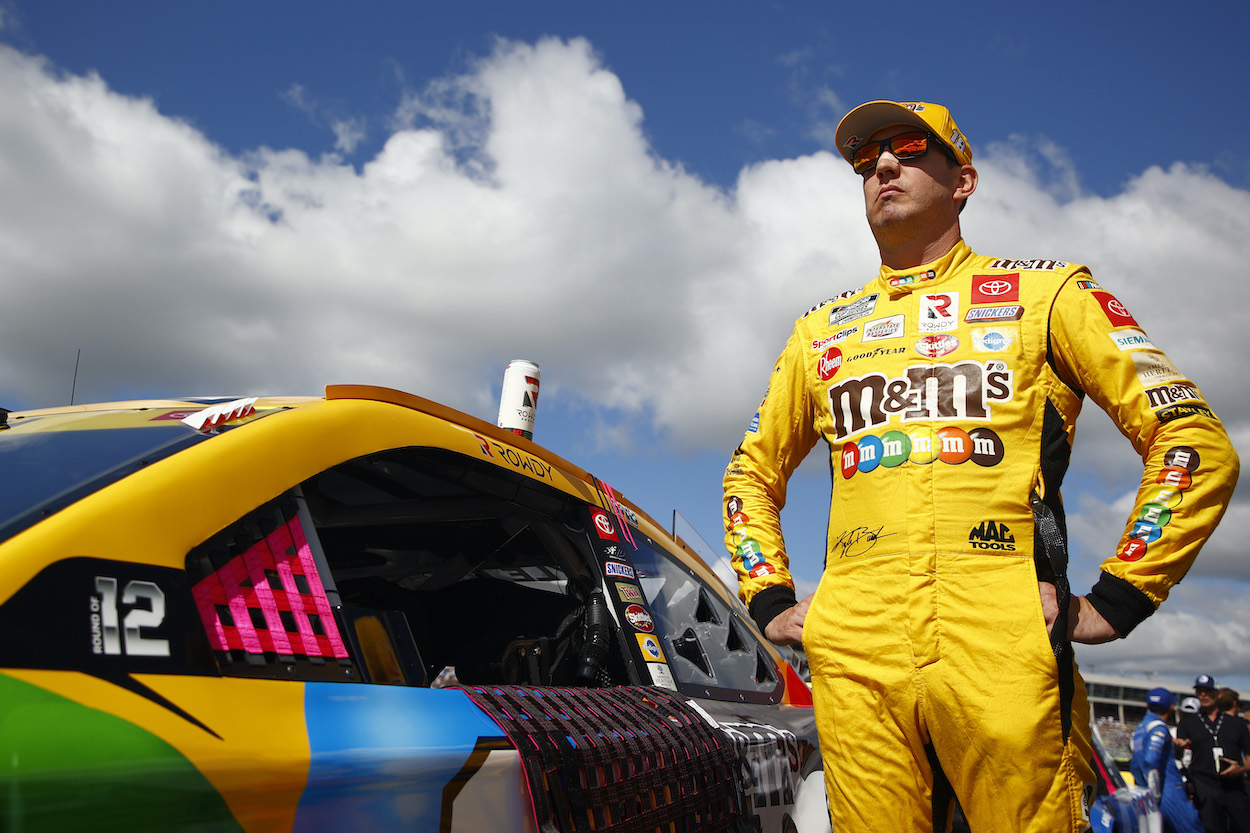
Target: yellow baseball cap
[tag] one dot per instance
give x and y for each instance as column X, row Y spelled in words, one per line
column 865, row 119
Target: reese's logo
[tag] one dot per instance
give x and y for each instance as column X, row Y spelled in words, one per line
column 991, row 535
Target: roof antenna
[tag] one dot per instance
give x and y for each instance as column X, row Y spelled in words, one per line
column 74, row 389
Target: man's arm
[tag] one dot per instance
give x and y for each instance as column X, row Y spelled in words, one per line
column 1190, row 465
column 780, row 435
column 1158, row 754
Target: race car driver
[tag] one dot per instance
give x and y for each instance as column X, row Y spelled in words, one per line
column 1154, row 765
column 947, row 387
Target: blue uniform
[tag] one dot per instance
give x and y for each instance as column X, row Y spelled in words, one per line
column 1154, row 766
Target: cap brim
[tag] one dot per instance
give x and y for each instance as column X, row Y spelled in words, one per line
column 867, row 119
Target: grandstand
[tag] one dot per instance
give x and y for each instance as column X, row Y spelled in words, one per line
column 1117, row 705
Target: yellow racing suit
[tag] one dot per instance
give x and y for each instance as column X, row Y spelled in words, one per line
column 948, row 395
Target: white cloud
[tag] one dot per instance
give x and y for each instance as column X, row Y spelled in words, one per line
column 348, row 132
column 518, row 210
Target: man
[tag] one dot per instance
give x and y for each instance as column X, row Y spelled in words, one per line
column 1228, row 700
column 1219, row 745
column 1154, row 765
column 947, row 388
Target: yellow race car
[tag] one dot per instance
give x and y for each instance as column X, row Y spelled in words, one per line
column 363, row 612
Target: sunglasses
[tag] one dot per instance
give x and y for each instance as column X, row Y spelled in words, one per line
column 910, row 145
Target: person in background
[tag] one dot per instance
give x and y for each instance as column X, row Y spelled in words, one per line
column 1154, row 765
column 1219, row 760
column 1228, row 700
column 946, row 387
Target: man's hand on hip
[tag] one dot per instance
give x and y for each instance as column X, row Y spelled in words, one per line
column 787, row 627
column 1085, row 624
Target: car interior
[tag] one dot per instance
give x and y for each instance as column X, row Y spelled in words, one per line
column 440, row 569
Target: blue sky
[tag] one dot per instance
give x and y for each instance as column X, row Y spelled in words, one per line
column 270, row 197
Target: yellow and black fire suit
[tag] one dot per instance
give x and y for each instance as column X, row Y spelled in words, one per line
column 948, row 395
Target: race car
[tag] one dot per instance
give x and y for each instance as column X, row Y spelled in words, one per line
column 367, row 611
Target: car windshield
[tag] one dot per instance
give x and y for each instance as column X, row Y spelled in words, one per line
column 44, row 471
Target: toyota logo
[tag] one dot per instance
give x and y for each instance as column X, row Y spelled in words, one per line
column 1115, row 306
column 996, row 287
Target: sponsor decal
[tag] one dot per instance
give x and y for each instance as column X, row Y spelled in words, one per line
column 829, row 364
column 639, row 619
column 750, row 552
column 841, row 335
column 650, row 647
column 1087, row 285
column 1133, row 550
column 754, row 427
column 921, row 446
column 612, row 569
column 995, row 289
column 514, row 458
column 1181, row 411
column 856, row 309
column 1166, row 495
column 1155, row 369
column 1176, row 401
column 876, row 353
column 1182, row 456
column 991, row 535
column 764, row 569
column 1131, row 340
column 1115, row 311
column 817, row 307
column 883, row 328
column 1148, row 531
column 907, row 280
column 939, row 312
column 994, row 339
column 603, row 525
column 175, row 415
column 662, row 676
column 1175, row 476
column 1013, row 312
column 1179, row 464
column 961, row 391
column 935, row 346
column 1170, row 394
column 1034, row 265
column 628, row 592
column 746, row 548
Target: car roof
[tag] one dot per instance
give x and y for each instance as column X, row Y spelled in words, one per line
column 444, row 424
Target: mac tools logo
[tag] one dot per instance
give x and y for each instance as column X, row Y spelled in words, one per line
column 991, row 535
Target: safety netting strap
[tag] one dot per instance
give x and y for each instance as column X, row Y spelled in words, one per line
column 628, row 759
